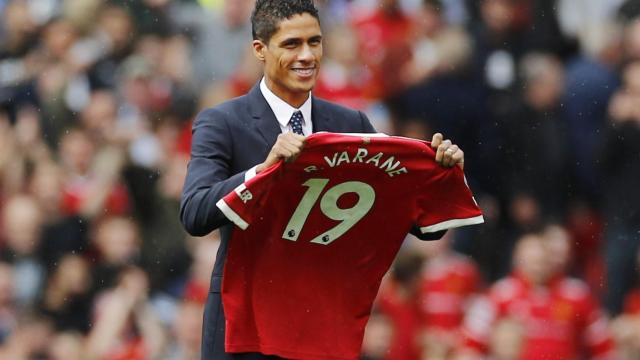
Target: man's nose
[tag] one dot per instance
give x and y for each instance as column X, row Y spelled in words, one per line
column 306, row 53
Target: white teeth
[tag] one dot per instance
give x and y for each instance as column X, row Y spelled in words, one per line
column 304, row 71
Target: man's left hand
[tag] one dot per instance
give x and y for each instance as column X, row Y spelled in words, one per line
column 447, row 153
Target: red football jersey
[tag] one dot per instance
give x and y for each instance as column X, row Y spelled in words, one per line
column 319, row 234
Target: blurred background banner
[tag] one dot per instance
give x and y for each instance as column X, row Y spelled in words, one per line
column 97, row 98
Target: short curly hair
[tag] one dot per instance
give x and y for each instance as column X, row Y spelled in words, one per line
column 267, row 15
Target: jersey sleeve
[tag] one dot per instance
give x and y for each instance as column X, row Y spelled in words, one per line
column 239, row 205
column 446, row 202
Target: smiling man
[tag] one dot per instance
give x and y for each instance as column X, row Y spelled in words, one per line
column 236, row 140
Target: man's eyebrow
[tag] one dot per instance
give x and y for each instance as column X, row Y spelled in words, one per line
column 291, row 40
column 294, row 40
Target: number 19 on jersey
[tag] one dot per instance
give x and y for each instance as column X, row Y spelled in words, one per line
column 329, row 207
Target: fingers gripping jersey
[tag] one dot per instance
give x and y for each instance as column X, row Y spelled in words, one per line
column 319, row 233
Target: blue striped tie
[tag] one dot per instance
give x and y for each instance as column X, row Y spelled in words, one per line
column 296, row 122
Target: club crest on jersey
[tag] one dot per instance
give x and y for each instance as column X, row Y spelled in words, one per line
column 389, row 164
column 246, row 196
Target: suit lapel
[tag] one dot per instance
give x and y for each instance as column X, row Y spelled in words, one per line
column 321, row 122
column 267, row 124
column 265, row 120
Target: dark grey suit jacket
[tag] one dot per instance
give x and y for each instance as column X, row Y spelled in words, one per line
column 228, row 140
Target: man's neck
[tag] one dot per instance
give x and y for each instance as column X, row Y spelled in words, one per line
column 294, row 99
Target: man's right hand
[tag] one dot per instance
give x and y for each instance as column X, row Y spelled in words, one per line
column 287, row 147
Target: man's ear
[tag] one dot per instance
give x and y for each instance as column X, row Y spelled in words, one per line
column 258, row 49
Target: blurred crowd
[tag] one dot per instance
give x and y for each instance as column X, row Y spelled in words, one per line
column 97, row 98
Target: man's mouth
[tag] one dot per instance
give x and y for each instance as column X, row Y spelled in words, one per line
column 304, row 71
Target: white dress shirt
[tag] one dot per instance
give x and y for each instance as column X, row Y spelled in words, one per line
column 283, row 113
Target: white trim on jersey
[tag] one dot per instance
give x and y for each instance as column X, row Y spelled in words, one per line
column 454, row 223
column 231, row 215
column 380, row 135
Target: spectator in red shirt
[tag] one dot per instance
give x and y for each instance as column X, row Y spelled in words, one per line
column 398, row 300
column 559, row 316
column 93, row 184
column 384, row 38
column 448, row 282
column 343, row 78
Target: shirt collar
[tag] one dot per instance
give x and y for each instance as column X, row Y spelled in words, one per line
column 281, row 109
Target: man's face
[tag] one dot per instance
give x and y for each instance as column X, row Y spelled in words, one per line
column 292, row 58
